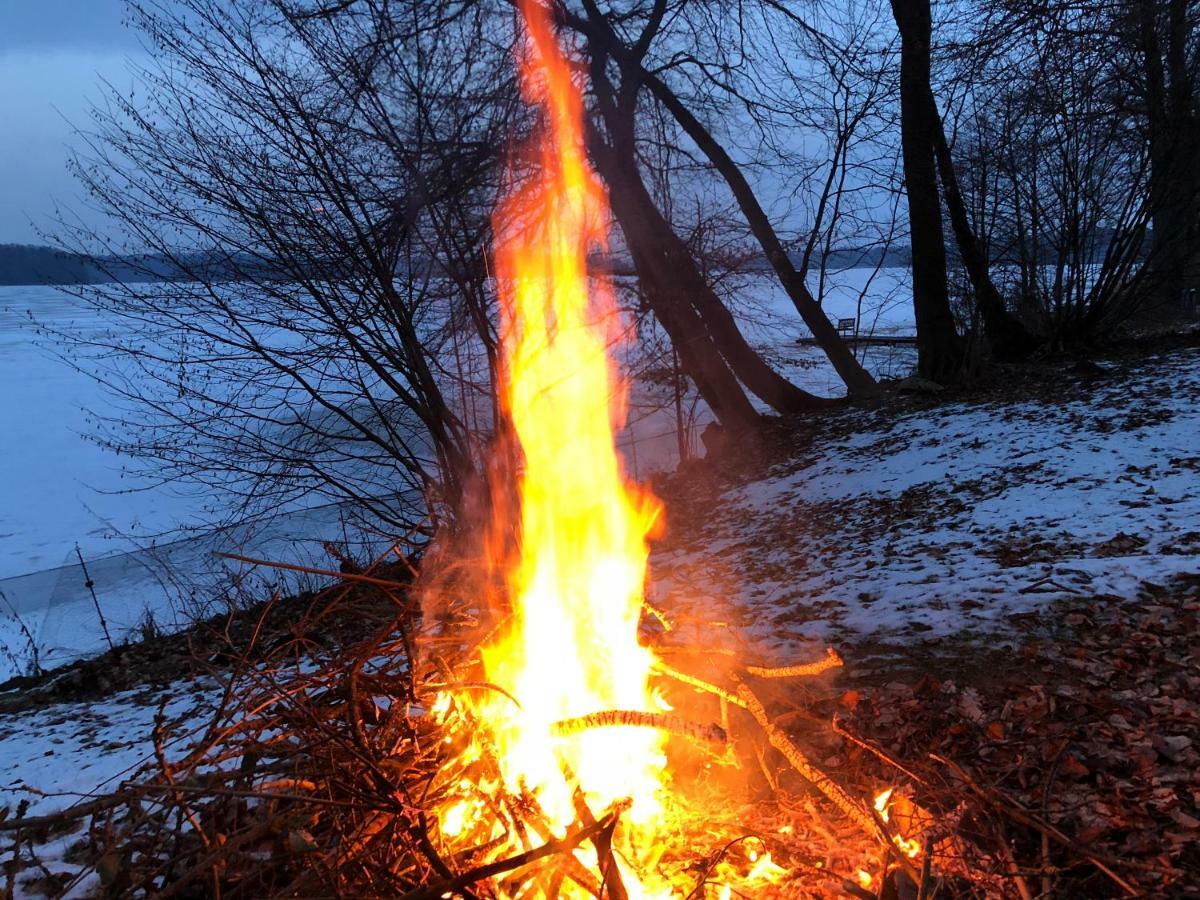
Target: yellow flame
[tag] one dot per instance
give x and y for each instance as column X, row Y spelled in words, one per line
column 910, row 847
column 881, row 802
column 570, row 646
column 454, row 820
column 573, row 587
column 577, row 587
column 764, row 869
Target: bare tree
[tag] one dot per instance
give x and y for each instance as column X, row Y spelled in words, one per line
column 1165, row 75
column 318, row 184
column 1061, row 166
column 629, row 58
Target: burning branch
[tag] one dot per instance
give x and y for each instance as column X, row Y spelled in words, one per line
column 551, row 848
column 703, row 734
column 804, row 670
column 856, row 812
column 699, row 683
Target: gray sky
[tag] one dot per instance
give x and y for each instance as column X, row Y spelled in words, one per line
column 53, row 54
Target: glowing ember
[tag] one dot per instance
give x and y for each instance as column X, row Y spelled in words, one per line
column 881, row 802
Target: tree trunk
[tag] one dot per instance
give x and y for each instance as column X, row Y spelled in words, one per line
column 674, row 286
column 1008, row 338
column 701, row 359
column 1173, row 122
column 939, row 348
column 858, row 381
column 679, row 281
column 749, row 366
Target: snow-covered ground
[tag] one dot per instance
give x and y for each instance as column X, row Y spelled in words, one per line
column 964, row 518
column 56, row 756
column 69, row 753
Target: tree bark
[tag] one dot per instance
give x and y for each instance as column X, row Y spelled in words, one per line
column 939, row 348
column 749, row 366
column 699, row 355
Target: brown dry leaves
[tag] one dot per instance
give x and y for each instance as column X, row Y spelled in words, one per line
column 1096, row 732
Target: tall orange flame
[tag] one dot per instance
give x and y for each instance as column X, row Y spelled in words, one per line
column 571, row 648
column 573, row 588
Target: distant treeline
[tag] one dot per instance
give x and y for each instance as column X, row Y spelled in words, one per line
column 26, row 264
column 22, row 264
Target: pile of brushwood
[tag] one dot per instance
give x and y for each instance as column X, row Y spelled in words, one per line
column 321, row 773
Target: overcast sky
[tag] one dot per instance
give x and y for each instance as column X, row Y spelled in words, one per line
column 53, row 54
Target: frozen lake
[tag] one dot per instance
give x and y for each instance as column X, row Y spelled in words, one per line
column 146, row 546
column 60, row 488
column 150, row 546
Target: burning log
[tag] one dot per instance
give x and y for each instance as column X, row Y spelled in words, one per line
column 659, row 615
column 610, row 874
column 453, row 686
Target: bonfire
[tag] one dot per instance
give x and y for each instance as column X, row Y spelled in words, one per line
column 560, row 722
column 536, row 728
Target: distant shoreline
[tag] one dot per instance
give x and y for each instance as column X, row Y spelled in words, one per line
column 29, row 265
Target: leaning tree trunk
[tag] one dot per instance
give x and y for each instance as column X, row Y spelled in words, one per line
column 674, row 286
column 939, row 348
column 604, row 43
column 667, row 264
column 701, row 359
column 858, row 381
column 749, row 366
column 1007, row 337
